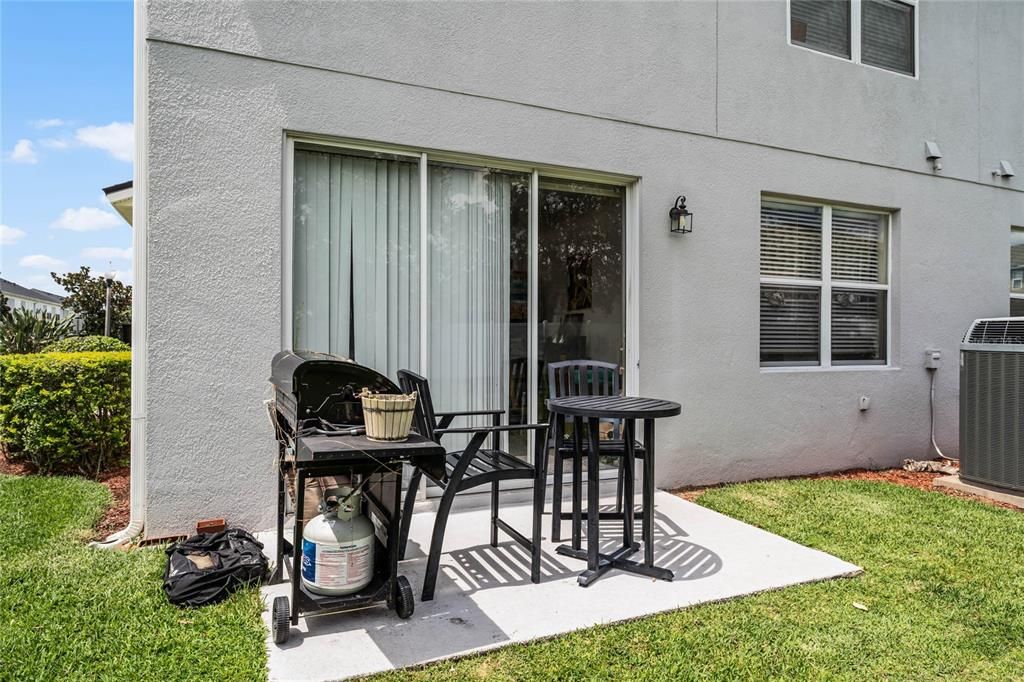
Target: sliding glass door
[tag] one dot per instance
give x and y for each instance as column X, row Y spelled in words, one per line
column 580, row 283
column 355, row 282
column 580, row 275
column 478, row 228
column 473, row 276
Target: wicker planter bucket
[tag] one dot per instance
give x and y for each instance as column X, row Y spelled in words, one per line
column 388, row 417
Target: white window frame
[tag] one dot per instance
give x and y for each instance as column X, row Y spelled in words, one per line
column 631, row 185
column 825, row 284
column 855, row 39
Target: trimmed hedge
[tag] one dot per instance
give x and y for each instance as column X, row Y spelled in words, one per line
column 66, row 411
column 88, row 344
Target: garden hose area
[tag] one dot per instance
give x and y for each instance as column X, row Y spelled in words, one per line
column 931, row 414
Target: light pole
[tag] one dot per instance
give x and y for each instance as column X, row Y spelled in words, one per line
column 108, row 277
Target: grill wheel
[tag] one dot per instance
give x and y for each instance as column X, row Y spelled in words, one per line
column 281, row 620
column 404, row 604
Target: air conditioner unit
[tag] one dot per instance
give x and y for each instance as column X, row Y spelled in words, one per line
column 992, row 403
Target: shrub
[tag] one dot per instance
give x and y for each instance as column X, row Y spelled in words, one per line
column 88, row 344
column 25, row 331
column 64, row 411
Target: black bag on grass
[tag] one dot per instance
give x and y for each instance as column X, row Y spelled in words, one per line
column 206, row 568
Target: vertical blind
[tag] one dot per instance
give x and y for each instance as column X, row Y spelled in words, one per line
column 822, row 25
column 356, row 258
column 469, row 288
column 356, row 278
column 887, row 35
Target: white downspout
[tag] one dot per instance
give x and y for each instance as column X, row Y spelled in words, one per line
column 140, row 335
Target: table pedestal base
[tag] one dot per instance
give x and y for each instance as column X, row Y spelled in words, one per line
column 616, row 559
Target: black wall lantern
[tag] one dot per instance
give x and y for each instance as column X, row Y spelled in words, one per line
column 681, row 220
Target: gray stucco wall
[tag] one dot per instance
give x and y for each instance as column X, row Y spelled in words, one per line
column 701, row 98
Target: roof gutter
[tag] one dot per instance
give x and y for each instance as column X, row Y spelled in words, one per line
column 140, row 288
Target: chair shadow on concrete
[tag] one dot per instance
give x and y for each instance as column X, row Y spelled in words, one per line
column 687, row 560
column 483, row 567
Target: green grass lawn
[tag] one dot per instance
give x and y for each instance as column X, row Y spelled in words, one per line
column 943, row 584
column 71, row 612
column 943, row 587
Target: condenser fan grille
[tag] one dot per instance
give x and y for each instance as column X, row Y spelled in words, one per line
column 997, row 331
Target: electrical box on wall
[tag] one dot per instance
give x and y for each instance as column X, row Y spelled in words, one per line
column 932, row 359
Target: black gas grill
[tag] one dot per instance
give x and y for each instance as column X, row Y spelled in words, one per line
column 318, row 418
column 317, row 390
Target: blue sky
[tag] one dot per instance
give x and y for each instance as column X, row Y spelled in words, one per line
column 65, row 133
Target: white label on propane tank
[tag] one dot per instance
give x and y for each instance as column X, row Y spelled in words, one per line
column 331, row 565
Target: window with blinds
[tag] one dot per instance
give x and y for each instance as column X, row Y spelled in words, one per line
column 822, row 25
column 879, row 33
column 824, row 285
column 887, row 35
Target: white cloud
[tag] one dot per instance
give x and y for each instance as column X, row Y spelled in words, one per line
column 106, row 253
column 41, row 261
column 86, row 219
column 10, row 235
column 23, row 152
column 49, row 123
column 117, row 139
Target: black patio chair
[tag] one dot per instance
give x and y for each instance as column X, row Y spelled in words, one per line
column 470, row 468
column 584, row 377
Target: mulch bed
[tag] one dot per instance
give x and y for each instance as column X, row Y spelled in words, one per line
column 922, row 480
column 118, row 481
column 13, row 467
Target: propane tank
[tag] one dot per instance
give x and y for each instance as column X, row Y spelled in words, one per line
column 337, row 546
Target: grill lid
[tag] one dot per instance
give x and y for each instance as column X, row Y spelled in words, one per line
column 326, row 386
column 996, row 331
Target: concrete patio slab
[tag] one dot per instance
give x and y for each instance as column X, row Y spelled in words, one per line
column 953, row 482
column 485, row 598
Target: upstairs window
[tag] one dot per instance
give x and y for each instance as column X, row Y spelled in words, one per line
column 887, row 35
column 824, row 285
column 822, row 25
column 878, row 33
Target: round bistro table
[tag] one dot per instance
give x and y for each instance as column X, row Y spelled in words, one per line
column 628, row 409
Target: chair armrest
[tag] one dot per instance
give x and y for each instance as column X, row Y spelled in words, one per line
column 468, row 413
column 445, row 419
column 492, row 429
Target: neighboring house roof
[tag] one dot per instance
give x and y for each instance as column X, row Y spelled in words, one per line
column 120, row 197
column 12, row 289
